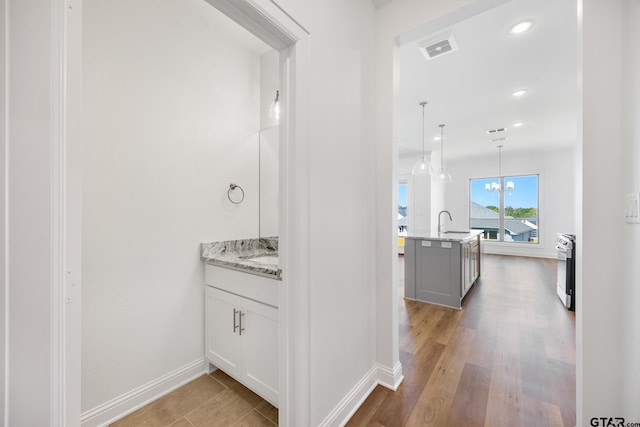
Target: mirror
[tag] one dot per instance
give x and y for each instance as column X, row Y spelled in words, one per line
column 269, row 173
column 269, row 143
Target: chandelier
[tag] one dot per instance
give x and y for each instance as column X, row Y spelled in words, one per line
column 497, row 186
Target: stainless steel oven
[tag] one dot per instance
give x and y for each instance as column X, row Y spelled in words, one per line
column 566, row 281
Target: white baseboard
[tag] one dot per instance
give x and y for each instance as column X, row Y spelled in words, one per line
column 127, row 403
column 377, row 375
column 518, row 249
column 390, row 378
column 135, row 399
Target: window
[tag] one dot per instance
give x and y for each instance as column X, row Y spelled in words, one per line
column 510, row 215
column 402, row 209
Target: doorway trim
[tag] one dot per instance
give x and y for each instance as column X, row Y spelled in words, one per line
column 278, row 29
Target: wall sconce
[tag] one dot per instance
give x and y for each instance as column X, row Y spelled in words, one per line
column 274, row 108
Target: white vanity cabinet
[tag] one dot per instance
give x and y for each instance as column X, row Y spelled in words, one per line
column 241, row 337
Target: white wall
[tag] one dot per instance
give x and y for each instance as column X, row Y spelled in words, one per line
column 172, row 114
column 439, row 192
column 631, row 183
column 602, row 379
column 30, row 276
column 3, row 208
column 556, row 188
column 556, row 192
column 341, row 112
column 419, row 197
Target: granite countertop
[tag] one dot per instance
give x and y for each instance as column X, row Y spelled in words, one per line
column 449, row 236
column 254, row 256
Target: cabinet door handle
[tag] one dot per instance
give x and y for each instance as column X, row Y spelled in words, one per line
column 235, row 326
column 241, row 316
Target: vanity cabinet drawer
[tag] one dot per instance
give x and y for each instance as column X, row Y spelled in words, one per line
column 258, row 288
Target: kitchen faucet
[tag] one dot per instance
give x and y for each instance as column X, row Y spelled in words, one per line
column 439, row 216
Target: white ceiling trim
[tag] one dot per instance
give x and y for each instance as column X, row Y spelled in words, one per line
column 440, row 24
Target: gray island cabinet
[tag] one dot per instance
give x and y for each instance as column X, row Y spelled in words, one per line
column 441, row 268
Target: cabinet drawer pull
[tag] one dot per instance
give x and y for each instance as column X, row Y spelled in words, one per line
column 241, row 316
column 235, row 325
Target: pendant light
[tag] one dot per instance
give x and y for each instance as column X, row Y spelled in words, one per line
column 274, row 108
column 443, row 176
column 422, row 167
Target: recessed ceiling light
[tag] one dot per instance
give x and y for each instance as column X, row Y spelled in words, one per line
column 517, row 125
column 519, row 92
column 521, row 26
column 436, row 138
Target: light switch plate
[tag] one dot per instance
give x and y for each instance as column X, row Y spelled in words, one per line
column 632, row 208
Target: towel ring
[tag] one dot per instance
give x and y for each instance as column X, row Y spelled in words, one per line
column 231, row 188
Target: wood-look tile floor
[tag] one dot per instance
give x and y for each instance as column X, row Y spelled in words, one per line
column 211, row 400
column 506, row 359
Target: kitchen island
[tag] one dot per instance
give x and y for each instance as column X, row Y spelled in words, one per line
column 441, row 268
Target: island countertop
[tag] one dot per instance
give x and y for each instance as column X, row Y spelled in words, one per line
column 253, row 256
column 448, row 236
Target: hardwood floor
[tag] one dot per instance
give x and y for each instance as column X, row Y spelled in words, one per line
column 506, row 359
column 211, row 400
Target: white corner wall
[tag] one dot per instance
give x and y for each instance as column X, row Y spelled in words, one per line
column 341, row 241
column 28, row 279
column 3, row 208
column 602, row 380
column 172, row 114
column 631, row 184
column 556, row 189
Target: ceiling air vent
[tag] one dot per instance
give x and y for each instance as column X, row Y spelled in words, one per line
column 492, row 131
column 438, row 46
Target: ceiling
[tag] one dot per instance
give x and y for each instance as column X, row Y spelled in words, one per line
column 469, row 89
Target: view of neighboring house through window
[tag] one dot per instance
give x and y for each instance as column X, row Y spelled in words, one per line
column 505, row 208
column 402, row 209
